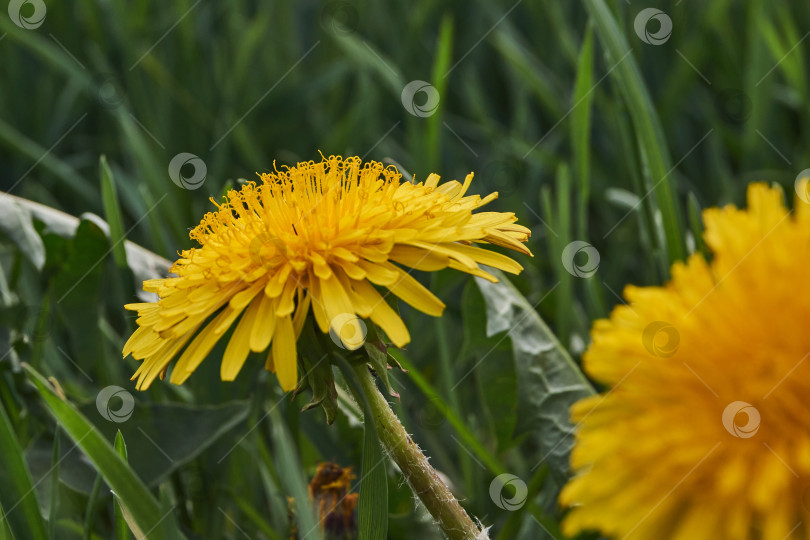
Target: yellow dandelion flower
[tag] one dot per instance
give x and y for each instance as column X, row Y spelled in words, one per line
column 323, row 236
column 704, row 432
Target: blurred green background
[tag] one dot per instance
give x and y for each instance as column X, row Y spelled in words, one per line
column 592, row 125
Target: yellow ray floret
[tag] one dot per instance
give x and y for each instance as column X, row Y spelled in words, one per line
column 704, row 432
column 331, row 235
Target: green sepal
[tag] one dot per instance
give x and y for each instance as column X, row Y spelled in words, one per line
column 378, row 357
column 321, row 380
column 316, row 367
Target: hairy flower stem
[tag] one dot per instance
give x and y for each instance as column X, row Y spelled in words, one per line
column 421, row 476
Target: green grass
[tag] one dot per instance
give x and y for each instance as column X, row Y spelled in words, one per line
column 588, row 133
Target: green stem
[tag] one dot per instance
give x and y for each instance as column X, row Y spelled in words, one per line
column 421, row 476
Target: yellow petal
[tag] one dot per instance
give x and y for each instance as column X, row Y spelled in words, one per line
column 202, row 345
column 414, row 293
column 262, row 331
column 335, row 300
column 382, row 314
column 139, row 338
column 301, row 312
column 419, row 258
column 285, row 356
column 379, row 273
column 317, row 304
column 276, row 284
column 487, row 257
column 159, row 362
column 286, row 302
column 243, row 298
column 239, row 345
column 450, row 251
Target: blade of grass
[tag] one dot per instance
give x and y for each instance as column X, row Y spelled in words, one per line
column 292, row 477
column 467, row 437
column 121, row 528
column 55, row 460
column 366, row 55
column 537, row 77
column 563, row 225
column 759, row 77
column 89, row 512
column 5, row 532
column 270, row 483
column 257, row 517
column 515, row 520
column 656, row 161
column 137, row 502
column 581, row 131
column 373, row 504
column 112, row 210
column 441, row 63
column 17, row 496
column 21, row 144
column 446, row 379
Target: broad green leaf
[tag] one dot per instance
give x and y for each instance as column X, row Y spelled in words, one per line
column 548, row 379
column 494, row 372
column 77, row 287
column 182, row 431
column 142, row 510
column 15, row 222
column 143, row 263
column 17, row 496
column 74, row 471
column 162, row 437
